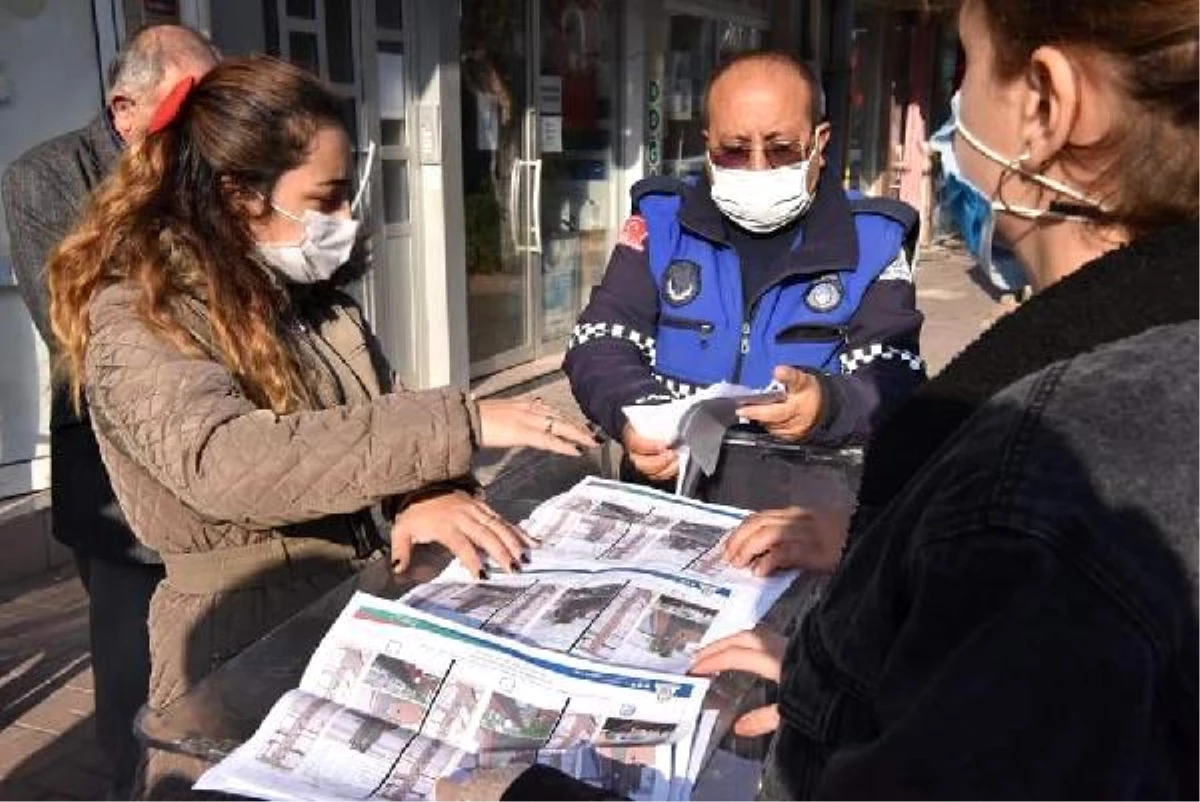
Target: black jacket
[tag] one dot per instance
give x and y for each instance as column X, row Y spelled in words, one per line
column 43, row 193
column 1016, row 613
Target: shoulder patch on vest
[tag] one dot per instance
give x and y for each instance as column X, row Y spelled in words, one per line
column 633, row 233
column 681, row 282
column 898, row 270
column 825, row 294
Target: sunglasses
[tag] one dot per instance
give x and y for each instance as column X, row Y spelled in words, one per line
column 778, row 154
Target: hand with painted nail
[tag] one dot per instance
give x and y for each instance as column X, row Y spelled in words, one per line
column 463, row 524
column 756, row 652
column 795, row 537
column 511, row 423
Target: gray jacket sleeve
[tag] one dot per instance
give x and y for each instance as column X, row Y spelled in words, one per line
column 40, row 211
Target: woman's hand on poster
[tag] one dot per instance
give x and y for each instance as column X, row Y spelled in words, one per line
column 510, row 423
column 756, row 652
column 793, row 537
column 463, row 524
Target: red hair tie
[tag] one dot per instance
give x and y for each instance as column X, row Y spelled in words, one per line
column 169, row 108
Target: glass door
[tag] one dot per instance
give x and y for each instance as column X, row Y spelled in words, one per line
column 538, row 82
column 576, row 105
column 497, row 172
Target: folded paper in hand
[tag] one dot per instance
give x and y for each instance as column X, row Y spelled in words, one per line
column 665, row 422
column 695, row 426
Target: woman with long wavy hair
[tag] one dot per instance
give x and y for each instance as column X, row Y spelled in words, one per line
column 244, row 410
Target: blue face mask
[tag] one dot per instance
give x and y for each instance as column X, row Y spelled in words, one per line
column 967, row 205
column 973, row 213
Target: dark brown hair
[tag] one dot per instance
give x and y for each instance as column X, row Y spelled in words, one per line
column 171, row 221
column 1150, row 163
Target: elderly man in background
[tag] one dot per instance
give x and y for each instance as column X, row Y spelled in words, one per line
column 43, row 193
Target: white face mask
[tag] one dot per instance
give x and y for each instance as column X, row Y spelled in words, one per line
column 1017, row 165
column 326, row 246
column 762, row 200
column 328, row 240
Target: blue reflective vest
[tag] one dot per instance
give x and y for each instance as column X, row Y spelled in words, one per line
column 705, row 334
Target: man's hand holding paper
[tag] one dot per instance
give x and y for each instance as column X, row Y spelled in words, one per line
column 654, row 459
column 794, row 417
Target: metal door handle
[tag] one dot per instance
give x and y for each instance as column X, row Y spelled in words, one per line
column 514, row 210
column 535, row 217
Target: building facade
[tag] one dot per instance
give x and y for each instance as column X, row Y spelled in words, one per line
column 905, row 62
column 508, row 135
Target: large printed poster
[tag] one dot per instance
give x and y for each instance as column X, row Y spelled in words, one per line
column 579, row 661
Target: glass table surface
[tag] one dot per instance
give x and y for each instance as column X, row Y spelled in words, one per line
column 225, row 708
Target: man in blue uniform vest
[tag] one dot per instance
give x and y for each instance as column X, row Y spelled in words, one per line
column 764, row 270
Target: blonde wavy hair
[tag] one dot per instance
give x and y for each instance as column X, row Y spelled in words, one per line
column 172, row 222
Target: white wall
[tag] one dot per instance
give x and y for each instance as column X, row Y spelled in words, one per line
column 49, row 83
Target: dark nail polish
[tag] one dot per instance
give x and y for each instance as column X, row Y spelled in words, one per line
column 525, row 558
column 483, row 573
column 514, row 566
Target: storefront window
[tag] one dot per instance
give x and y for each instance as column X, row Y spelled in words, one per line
column 304, row 9
column 696, row 47
column 339, row 39
column 303, row 49
column 389, row 14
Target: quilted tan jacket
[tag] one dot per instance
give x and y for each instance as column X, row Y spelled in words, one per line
column 254, row 513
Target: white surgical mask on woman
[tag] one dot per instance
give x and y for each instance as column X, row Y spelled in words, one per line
column 325, row 246
column 328, row 240
column 763, row 200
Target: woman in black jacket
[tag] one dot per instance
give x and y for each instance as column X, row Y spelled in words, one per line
column 1016, row 612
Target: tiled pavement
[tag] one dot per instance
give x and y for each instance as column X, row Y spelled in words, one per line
column 47, row 745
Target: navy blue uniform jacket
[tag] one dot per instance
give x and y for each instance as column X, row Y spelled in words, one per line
column 611, row 359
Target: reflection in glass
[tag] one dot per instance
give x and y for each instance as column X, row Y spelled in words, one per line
column 577, row 86
column 304, row 9
column 395, row 191
column 302, row 51
column 391, row 132
column 349, row 114
column 340, row 42
column 493, row 101
column 697, row 47
column 393, row 92
column 270, row 14
column 389, row 14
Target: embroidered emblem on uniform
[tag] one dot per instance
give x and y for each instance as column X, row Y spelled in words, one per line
column 681, row 282
column 633, row 233
column 824, row 295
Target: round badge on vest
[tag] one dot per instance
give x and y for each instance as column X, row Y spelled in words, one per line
column 681, row 282
column 825, row 294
